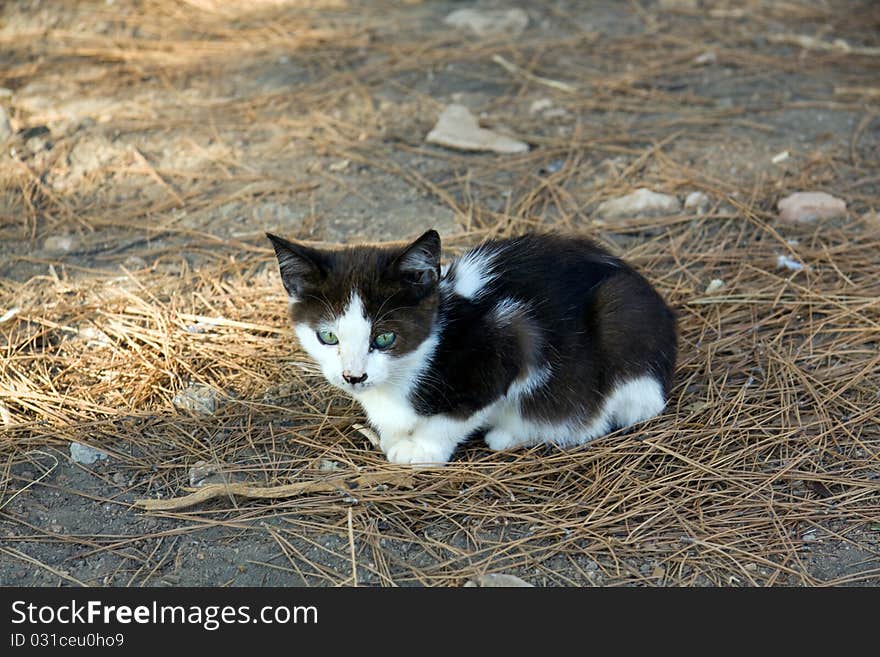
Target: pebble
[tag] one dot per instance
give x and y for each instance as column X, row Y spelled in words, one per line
column 784, row 262
column 486, row 22
column 59, row 244
column 780, row 157
column 497, row 580
column 697, row 202
column 708, row 57
column 810, row 206
column 678, row 5
column 198, row 398
column 200, row 473
column 714, row 285
column 85, row 455
column 642, row 201
column 5, row 126
column 540, row 105
column 458, row 128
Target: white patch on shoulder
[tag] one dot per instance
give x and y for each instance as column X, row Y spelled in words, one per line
column 507, row 309
column 472, row 272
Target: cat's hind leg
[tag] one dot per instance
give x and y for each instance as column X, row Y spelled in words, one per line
column 509, row 430
column 635, row 401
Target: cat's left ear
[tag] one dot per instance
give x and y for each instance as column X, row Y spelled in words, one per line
column 420, row 262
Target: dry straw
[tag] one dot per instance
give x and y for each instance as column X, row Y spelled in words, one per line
column 771, row 438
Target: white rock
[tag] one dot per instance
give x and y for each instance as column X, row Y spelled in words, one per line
column 5, row 126
column 200, row 473
column 9, row 314
column 458, row 128
column 708, row 57
column 540, row 105
column 714, row 285
column 198, row 398
column 697, row 201
column 641, row 201
column 810, row 206
column 512, row 22
column 58, row 244
column 496, row 580
column 780, row 157
column 86, row 455
column 678, row 5
column 784, row 262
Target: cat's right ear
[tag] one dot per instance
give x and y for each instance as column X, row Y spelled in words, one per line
column 301, row 266
column 420, row 262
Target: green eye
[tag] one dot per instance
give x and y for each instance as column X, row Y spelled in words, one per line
column 327, row 337
column 384, row 340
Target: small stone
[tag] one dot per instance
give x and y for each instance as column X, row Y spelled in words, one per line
column 510, row 22
column 85, row 455
column 810, row 206
column 697, row 202
column 708, row 57
column 58, row 244
column 643, row 201
column 119, row 479
column 458, row 128
column 328, row 466
column 780, row 157
column 540, row 105
column 497, row 580
column 678, row 5
column 714, row 285
column 9, row 314
column 784, row 262
column 134, row 263
column 198, row 398
column 200, row 472
column 5, row 126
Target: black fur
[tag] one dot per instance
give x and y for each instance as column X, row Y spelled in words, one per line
column 589, row 316
column 584, row 314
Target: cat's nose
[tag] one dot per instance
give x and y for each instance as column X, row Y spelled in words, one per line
column 351, row 378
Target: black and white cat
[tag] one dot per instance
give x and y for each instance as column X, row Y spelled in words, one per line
column 539, row 338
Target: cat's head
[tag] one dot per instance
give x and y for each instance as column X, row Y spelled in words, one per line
column 364, row 313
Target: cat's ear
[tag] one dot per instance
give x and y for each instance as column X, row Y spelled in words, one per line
column 301, row 266
column 419, row 264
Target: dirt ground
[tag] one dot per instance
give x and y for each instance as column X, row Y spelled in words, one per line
column 151, row 143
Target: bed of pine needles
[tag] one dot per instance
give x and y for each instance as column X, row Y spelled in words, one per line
column 771, row 436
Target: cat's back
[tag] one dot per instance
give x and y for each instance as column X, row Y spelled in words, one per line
column 532, row 266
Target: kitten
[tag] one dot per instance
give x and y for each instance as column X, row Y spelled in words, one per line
column 540, row 338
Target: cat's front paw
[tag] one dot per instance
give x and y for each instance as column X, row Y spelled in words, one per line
column 411, row 451
column 498, row 440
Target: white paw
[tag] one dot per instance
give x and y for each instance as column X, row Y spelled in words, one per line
column 410, row 451
column 498, row 440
